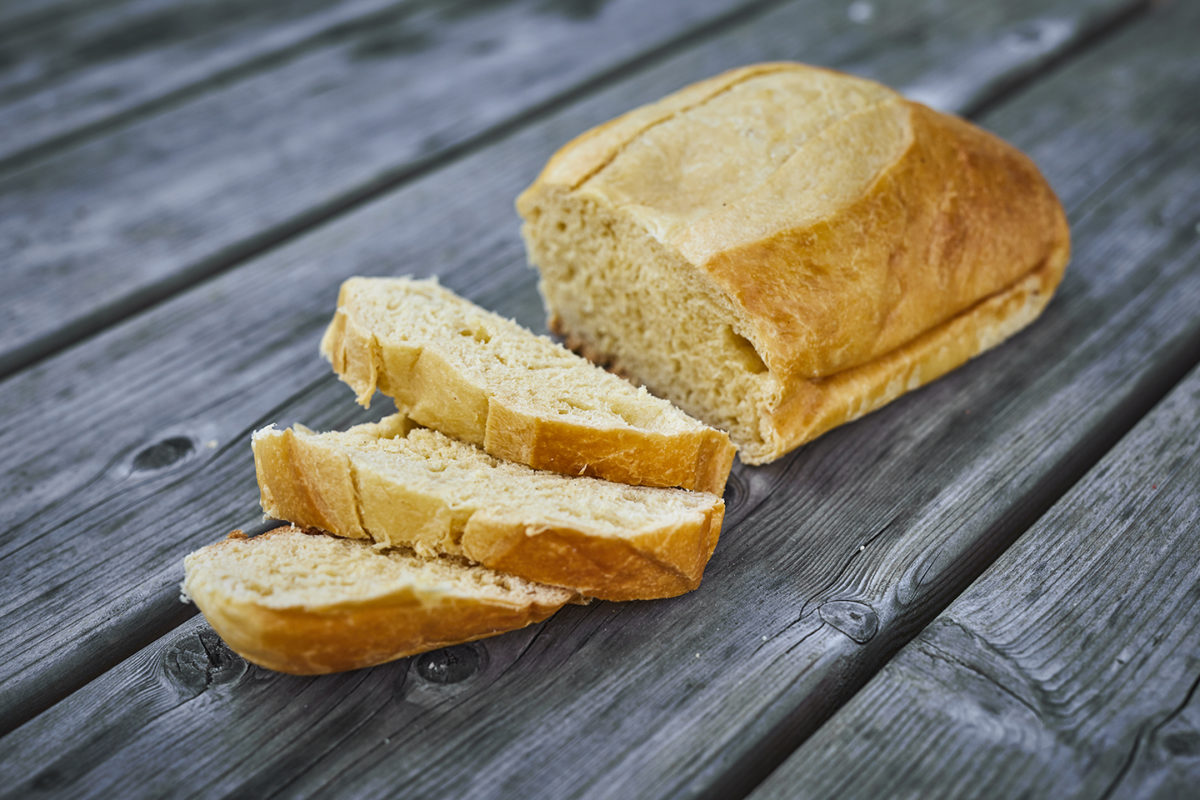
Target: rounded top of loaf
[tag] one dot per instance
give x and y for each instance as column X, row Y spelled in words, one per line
column 734, row 158
column 837, row 219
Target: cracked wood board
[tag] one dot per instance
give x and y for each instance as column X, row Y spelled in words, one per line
column 1069, row 669
column 891, row 517
column 181, row 387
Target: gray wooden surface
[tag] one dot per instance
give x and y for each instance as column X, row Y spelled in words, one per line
column 128, row 216
column 1069, row 668
column 130, row 447
column 150, row 381
column 78, row 74
column 19, row 17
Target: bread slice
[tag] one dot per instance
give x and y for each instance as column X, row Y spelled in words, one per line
column 310, row 603
column 402, row 485
column 479, row 377
column 781, row 249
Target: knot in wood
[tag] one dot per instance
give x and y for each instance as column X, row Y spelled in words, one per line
column 857, row 620
column 161, row 455
column 195, row 661
column 450, row 664
column 48, row 779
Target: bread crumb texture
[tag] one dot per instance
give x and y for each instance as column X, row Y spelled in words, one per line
column 484, row 379
column 291, row 568
column 309, row 603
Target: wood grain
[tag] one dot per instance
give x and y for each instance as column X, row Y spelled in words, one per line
column 81, row 72
column 1069, row 669
column 21, row 17
column 887, row 518
column 239, row 352
column 125, row 218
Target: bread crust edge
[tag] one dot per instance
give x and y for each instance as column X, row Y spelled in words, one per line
column 430, row 391
column 811, row 408
column 656, row 563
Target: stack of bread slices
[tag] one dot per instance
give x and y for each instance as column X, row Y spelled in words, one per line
column 516, row 477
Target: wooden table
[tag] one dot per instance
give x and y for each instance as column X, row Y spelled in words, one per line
column 990, row 587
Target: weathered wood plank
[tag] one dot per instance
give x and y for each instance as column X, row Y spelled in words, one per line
column 151, row 390
column 22, row 16
column 79, row 71
column 835, row 555
column 1069, row 669
column 128, row 217
column 143, row 405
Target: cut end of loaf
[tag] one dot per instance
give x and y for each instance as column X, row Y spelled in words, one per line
column 622, row 299
column 811, row 408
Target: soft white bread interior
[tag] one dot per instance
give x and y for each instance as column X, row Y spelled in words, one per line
column 402, row 485
column 781, row 249
column 479, row 377
column 310, row 603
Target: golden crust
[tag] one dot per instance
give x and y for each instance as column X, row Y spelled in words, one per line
column 699, row 460
column 960, row 216
column 921, row 241
column 589, row 152
column 661, row 563
column 814, row 407
column 316, row 639
column 430, row 390
column 314, row 486
column 811, row 407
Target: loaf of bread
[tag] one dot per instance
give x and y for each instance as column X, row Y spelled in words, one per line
column 486, row 380
column 781, row 249
column 310, row 604
column 401, row 485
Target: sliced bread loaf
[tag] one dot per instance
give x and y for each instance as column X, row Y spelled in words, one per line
column 401, row 485
column 781, row 249
column 479, row 377
column 310, row 603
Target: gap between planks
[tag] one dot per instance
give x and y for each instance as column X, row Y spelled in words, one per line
column 103, row 317
column 1019, row 80
column 72, row 135
column 143, row 639
column 791, row 732
column 1065, row 669
column 41, row 13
